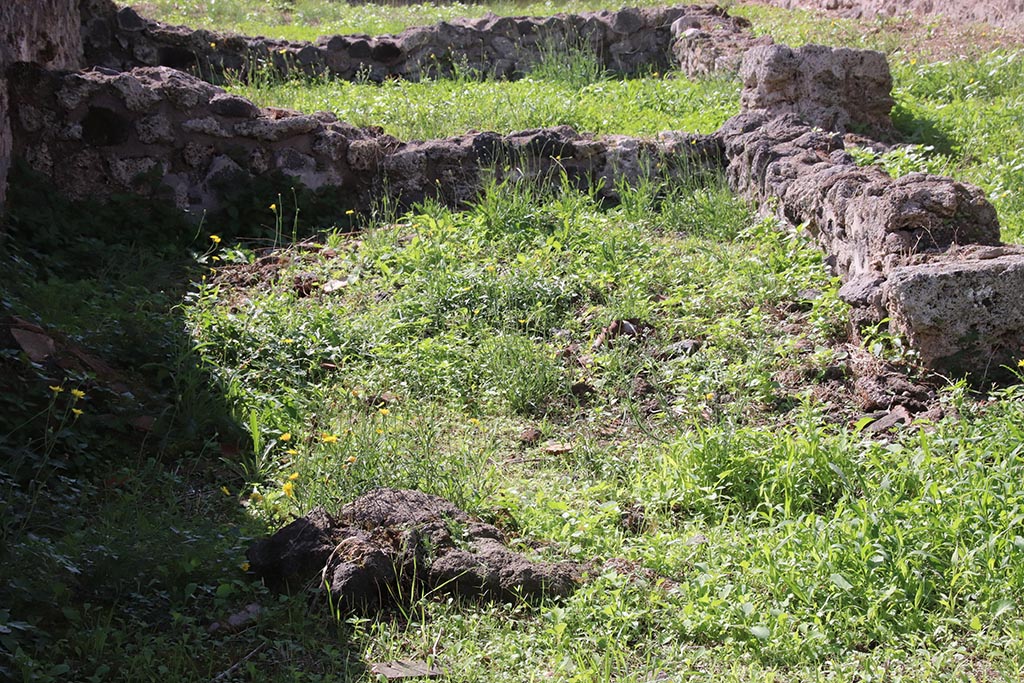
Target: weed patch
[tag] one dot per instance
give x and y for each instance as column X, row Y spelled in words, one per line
column 658, row 389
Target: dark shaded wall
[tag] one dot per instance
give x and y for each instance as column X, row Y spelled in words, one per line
column 47, row 32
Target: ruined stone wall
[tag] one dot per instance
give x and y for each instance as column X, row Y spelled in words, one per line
column 921, row 251
column 834, row 89
column 42, row 31
column 163, row 133
column 626, row 41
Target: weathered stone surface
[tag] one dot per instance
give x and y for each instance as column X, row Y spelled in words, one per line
column 42, row 31
column 626, row 41
column 232, row 106
column 709, row 41
column 837, row 89
column 920, row 250
column 867, row 222
column 390, row 540
column 961, row 314
column 208, row 145
column 298, row 552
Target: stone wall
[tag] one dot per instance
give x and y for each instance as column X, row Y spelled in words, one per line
column 834, row 89
column 626, row 41
column 42, row 31
column 163, row 133
column 704, row 45
column 921, row 251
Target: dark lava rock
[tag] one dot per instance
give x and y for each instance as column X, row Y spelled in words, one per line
column 389, row 541
column 296, row 553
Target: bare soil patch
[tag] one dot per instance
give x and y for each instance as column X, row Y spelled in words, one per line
column 954, row 32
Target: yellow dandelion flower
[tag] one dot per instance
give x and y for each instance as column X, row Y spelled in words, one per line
column 291, row 451
column 383, row 411
column 350, row 212
column 289, row 489
column 709, row 396
column 351, row 459
column 293, row 476
column 215, row 239
column 273, row 207
column 56, row 390
column 1020, row 363
column 329, row 438
column 78, row 393
column 213, row 44
column 474, row 421
column 380, row 431
column 287, row 340
column 287, row 436
column 76, row 412
column 282, row 51
column 244, row 566
column 225, row 491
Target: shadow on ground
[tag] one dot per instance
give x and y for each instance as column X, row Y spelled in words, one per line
column 122, row 540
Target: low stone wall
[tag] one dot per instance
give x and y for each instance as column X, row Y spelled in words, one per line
column 627, row 41
column 160, row 132
column 707, row 45
column 41, row 31
column 834, row 89
column 921, row 251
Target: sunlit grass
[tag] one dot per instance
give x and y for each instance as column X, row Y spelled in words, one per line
column 309, row 19
column 776, row 540
column 442, row 108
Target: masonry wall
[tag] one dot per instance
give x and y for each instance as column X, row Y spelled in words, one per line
column 626, row 41
column 43, row 31
column 920, row 251
column 162, row 133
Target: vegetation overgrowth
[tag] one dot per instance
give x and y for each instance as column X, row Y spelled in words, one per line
column 310, row 19
column 741, row 521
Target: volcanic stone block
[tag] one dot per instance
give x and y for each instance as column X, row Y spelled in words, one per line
column 961, row 315
column 836, row 89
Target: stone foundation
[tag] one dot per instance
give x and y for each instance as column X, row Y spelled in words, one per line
column 160, row 132
column 626, row 41
column 921, row 251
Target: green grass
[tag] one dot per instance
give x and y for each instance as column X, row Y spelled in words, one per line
column 779, row 541
column 818, row 548
column 310, row 19
column 971, row 115
column 562, row 89
column 432, row 109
